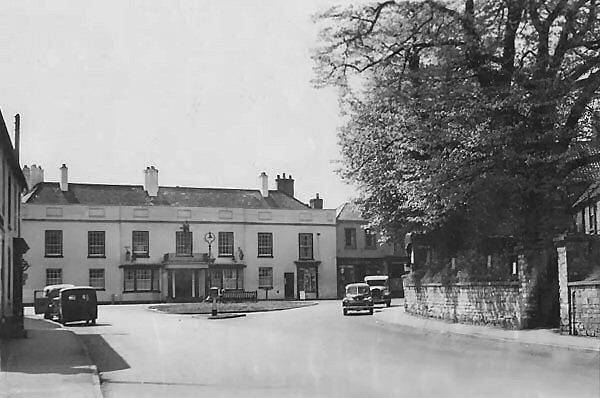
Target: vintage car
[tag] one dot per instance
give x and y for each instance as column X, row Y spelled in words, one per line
column 76, row 304
column 380, row 289
column 358, row 298
column 44, row 299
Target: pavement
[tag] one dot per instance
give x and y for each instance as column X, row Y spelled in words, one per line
column 50, row 362
column 547, row 337
column 54, row 362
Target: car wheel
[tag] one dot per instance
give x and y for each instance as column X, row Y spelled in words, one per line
column 345, row 311
column 93, row 321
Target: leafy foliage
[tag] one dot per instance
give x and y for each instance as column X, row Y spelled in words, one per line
column 465, row 117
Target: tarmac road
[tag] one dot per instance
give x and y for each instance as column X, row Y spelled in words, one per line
column 317, row 352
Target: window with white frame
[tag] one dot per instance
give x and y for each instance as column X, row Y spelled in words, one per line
column 370, row 239
column 265, row 277
column 96, row 240
column 54, row 276
column 183, row 243
column 140, row 243
column 141, row 279
column 53, row 243
column 265, row 244
column 305, row 246
column 225, row 244
column 230, row 279
column 97, row 278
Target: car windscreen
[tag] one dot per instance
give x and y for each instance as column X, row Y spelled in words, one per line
column 377, row 282
column 357, row 290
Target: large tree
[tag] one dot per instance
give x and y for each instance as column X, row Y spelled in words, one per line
column 465, row 117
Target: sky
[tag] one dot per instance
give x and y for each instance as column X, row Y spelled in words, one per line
column 211, row 93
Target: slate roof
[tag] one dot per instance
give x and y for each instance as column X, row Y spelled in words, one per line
column 591, row 193
column 349, row 212
column 49, row 193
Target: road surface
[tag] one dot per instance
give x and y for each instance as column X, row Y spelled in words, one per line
column 317, row 352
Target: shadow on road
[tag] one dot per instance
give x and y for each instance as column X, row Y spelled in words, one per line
column 48, row 349
column 102, row 354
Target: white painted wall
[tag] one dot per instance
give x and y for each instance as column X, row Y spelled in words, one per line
column 162, row 223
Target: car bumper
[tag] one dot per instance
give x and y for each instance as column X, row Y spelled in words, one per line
column 358, row 306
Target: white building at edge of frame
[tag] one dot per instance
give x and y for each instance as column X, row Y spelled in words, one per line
column 150, row 243
column 12, row 245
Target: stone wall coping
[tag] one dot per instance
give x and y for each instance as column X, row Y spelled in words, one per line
column 469, row 284
column 584, row 283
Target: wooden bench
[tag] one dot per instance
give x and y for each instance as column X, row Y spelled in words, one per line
column 238, row 295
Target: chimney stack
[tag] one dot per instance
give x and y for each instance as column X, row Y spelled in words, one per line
column 151, row 181
column 33, row 175
column 264, row 184
column 316, row 203
column 64, row 178
column 27, row 175
column 285, row 185
column 17, row 135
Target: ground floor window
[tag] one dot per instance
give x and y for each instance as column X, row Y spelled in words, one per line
column 227, row 278
column 265, row 277
column 54, row 276
column 308, row 279
column 97, row 278
column 141, row 280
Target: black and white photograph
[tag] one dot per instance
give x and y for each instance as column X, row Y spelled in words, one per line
column 300, row 198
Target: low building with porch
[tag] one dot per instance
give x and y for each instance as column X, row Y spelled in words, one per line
column 154, row 243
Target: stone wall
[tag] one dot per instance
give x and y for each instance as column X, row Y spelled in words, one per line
column 585, row 308
column 578, row 258
column 496, row 304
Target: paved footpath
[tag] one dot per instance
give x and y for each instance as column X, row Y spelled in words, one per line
column 547, row 337
column 50, row 362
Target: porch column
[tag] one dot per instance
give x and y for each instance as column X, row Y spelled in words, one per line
column 193, row 283
column 173, row 283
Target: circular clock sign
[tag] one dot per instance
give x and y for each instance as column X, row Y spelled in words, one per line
column 209, row 237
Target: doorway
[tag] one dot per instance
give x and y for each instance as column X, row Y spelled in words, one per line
column 289, row 285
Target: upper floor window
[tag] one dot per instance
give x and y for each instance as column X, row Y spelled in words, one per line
column 140, row 243
column 225, row 244
column 370, row 239
column 183, row 243
column 305, row 246
column 265, row 244
column 53, row 243
column 350, row 238
column 96, row 243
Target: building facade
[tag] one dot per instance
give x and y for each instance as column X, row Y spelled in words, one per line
column 12, row 246
column 148, row 243
column 586, row 211
column 359, row 252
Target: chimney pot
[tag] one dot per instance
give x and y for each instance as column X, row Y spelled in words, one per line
column 285, row 185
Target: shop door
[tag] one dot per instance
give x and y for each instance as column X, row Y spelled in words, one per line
column 289, row 285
